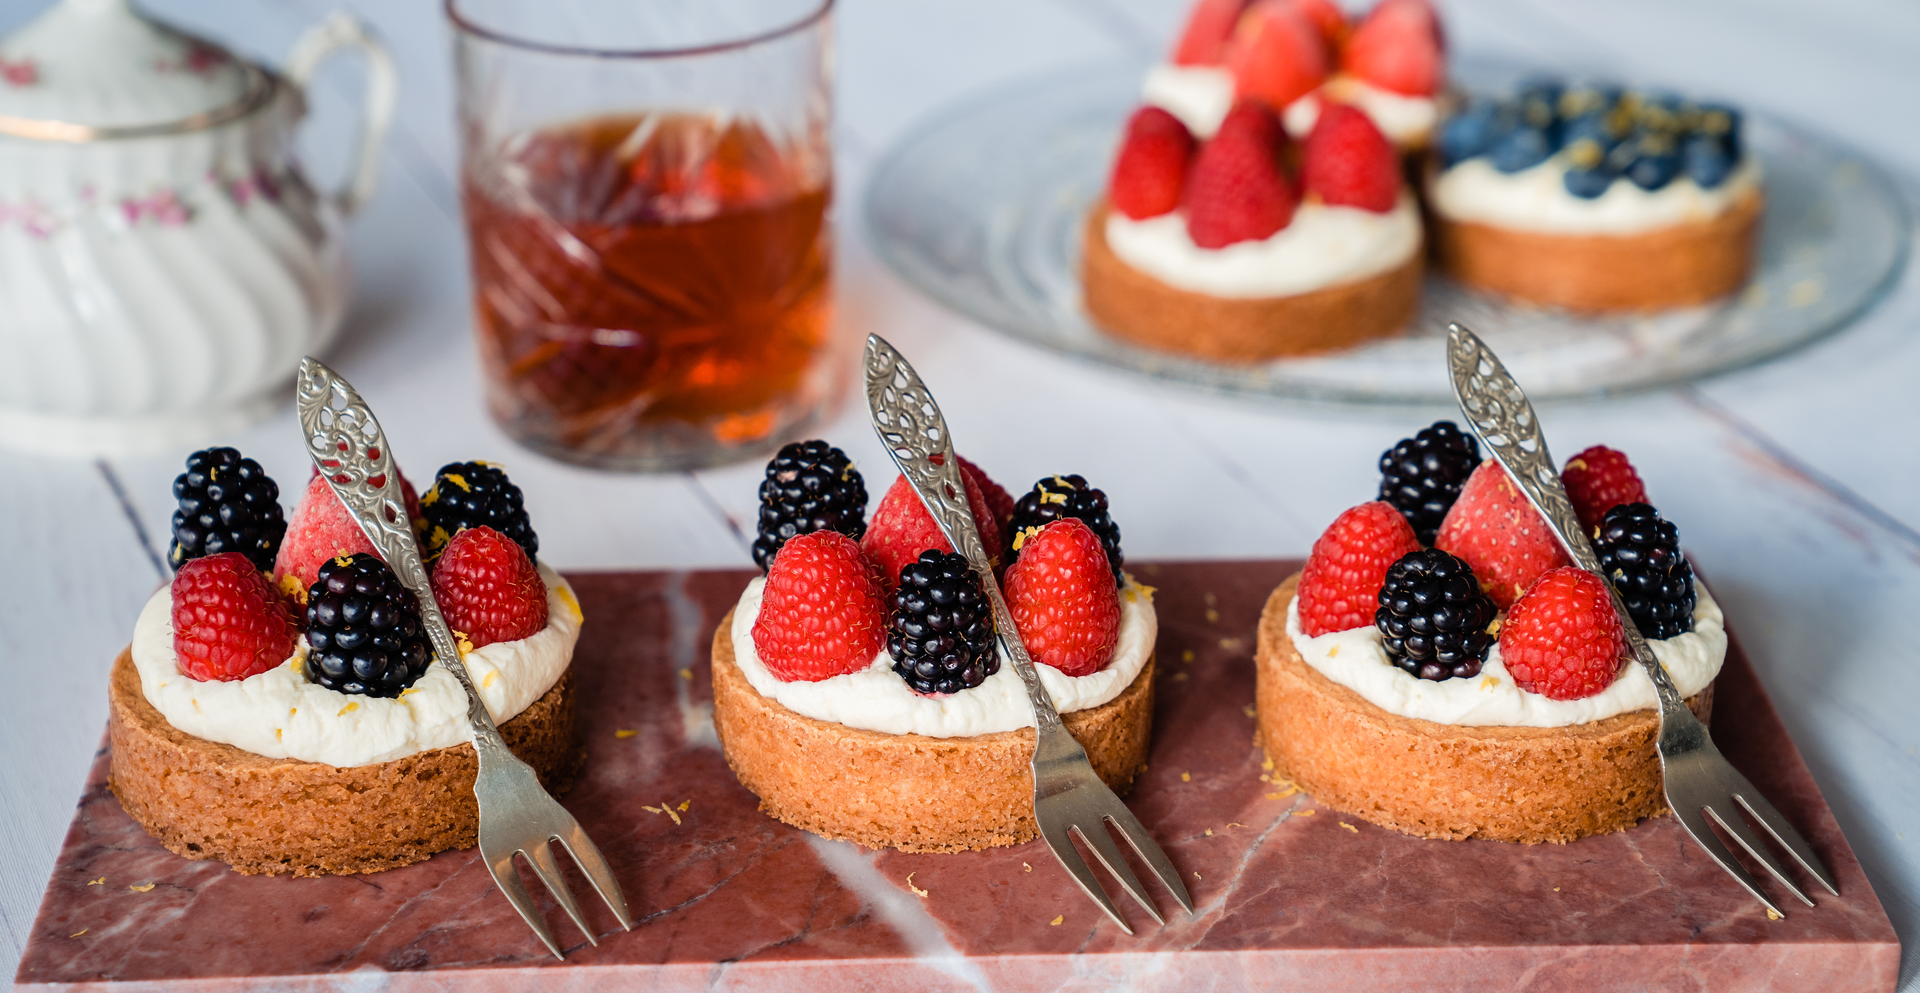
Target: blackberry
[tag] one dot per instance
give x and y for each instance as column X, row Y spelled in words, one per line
column 364, row 628
column 1422, row 475
column 810, row 486
column 472, row 494
column 227, row 504
column 1433, row 618
column 1056, row 497
column 940, row 625
column 1640, row 554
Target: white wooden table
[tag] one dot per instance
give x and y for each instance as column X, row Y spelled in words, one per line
column 1796, row 485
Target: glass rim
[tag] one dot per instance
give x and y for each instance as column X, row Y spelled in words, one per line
column 465, row 25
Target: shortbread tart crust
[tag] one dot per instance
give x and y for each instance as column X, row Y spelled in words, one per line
column 207, row 800
column 1677, row 266
column 1131, row 304
column 1434, row 780
column 908, row 791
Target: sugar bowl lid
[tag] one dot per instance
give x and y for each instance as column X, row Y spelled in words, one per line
column 91, row 70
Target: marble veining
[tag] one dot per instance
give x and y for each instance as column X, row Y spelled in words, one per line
column 1290, row 895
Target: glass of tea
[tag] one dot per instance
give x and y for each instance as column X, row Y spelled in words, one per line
column 646, row 188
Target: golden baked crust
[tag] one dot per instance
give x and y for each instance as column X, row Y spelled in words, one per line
column 1130, row 304
column 1444, row 781
column 207, row 800
column 1677, row 266
column 908, row 791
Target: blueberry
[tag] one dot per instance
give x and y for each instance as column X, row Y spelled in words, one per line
column 1597, row 126
column 1589, row 98
column 1522, row 148
column 1469, row 133
column 1651, row 172
column 1722, row 122
column 1589, row 183
column 1708, row 160
column 1660, row 112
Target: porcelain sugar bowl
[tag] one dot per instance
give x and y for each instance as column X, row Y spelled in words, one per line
column 163, row 263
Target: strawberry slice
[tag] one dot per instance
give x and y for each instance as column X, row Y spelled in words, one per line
column 1326, row 18
column 1349, row 163
column 1277, row 54
column 1236, row 191
column 1499, row 534
column 488, row 588
column 1209, row 30
column 1061, row 594
column 1151, row 169
column 901, row 529
column 1340, row 588
column 228, row 622
column 1398, row 47
column 823, row 612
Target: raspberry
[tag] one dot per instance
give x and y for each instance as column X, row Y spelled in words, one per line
column 1208, row 33
column 487, row 589
column 1278, row 54
column 468, row 495
column 1598, row 480
column 1067, row 611
column 364, row 627
column 228, row 622
column 227, row 504
column 321, row 529
column 999, row 502
column 1058, row 497
column 1151, row 169
column 940, row 627
column 1640, row 554
column 901, row 529
column 1499, row 534
column 810, row 486
column 823, row 611
column 1236, row 191
column 1562, row 639
column 1433, row 618
column 1398, row 47
column 1422, row 475
column 1340, row 588
column 1349, row 163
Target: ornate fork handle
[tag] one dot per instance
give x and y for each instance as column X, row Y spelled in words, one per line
column 910, row 423
column 350, row 450
column 1503, row 418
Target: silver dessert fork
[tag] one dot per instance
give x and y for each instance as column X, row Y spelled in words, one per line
column 1067, row 795
column 1700, row 785
column 516, row 814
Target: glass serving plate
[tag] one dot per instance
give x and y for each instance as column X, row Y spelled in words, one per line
column 982, row 210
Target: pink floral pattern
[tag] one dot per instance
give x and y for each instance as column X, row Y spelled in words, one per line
column 200, row 60
column 19, row 72
column 165, row 207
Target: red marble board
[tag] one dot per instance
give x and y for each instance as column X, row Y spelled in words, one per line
column 1290, row 895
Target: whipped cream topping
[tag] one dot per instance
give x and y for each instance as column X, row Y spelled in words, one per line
column 877, row 699
column 1536, row 199
column 1355, row 659
column 281, row 714
column 1200, row 97
column 1323, row 246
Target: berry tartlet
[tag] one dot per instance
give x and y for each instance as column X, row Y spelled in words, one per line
column 277, row 709
column 858, row 689
column 1480, row 686
column 1247, row 247
column 1596, row 198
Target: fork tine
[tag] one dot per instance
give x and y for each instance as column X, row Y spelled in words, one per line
column 1150, row 853
column 540, row 856
column 1109, row 855
column 1062, row 845
column 1696, row 825
column 591, row 862
column 507, row 877
column 1784, row 833
column 1744, row 834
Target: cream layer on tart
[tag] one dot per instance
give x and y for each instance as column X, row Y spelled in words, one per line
column 1322, row 246
column 877, row 699
column 1200, row 97
column 281, row 714
column 1536, row 199
column 1356, row 660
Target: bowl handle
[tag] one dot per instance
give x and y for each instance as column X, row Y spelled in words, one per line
column 342, row 30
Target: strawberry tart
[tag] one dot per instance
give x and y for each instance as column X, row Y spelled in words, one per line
column 1440, row 668
column 1224, row 250
column 1596, row 198
column 857, row 686
column 277, row 709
